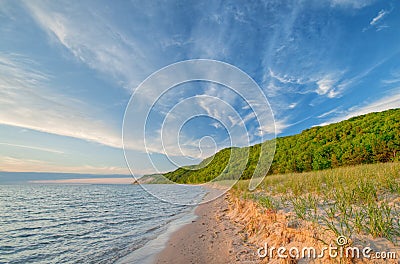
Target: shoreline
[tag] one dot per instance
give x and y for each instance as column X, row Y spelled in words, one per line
column 148, row 252
column 211, row 238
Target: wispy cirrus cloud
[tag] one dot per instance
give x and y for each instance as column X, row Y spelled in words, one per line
column 325, row 86
column 180, row 134
column 286, row 79
column 296, row 67
column 357, row 4
column 27, row 101
column 100, row 44
column 12, row 164
column 385, row 103
column 280, row 126
column 34, row 148
column 379, row 17
column 328, row 83
column 393, row 78
column 377, row 21
column 330, row 112
column 333, row 84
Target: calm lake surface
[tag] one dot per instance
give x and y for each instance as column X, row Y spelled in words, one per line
column 85, row 223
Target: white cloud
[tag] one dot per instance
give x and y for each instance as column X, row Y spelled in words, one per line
column 273, row 90
column 331, row 85
column 286, row 79
column 377, row 21
column 333, row 111
column 357, row 4
column 189, row 109
column 34, row 148
column 92, row 38
column 325, row 86
column 279, row 85
column 216, row 125
column 280, row 126
column 13, row 164
column 26, row 101
column 378, row 17
column 389, row 102
column 391, row 81
column 394, row 77
column 328, row 83
column 212, row 100
column 341, row 84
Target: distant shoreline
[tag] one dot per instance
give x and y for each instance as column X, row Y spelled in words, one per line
column 86, row 181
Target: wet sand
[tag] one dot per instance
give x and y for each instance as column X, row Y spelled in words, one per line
column 211, row 238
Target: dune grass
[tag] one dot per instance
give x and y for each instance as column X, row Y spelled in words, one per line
column 363, row 199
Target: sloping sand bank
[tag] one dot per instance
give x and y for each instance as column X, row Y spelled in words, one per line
column 231, row 230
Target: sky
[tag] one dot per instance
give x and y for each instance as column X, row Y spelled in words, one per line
column 68, row 70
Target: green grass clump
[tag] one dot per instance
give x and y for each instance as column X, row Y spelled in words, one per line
column 363, row 199
column 268, row 202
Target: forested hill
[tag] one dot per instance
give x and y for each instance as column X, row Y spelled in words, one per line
column 369, row 138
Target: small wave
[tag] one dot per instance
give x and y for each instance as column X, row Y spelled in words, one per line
column 67, row 224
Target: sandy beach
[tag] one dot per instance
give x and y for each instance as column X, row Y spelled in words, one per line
column 228, row 230
column 211, row 238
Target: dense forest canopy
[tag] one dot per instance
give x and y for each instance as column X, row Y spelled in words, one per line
column 369, row 138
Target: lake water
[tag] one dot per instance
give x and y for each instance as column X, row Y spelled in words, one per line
column 87, row 223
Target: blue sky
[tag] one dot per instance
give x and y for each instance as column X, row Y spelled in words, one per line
column 69, row 68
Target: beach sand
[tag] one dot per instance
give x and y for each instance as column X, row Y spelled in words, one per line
column 211, row 238
column 225, row 231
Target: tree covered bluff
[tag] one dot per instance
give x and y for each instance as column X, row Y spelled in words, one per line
column 370, row 138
